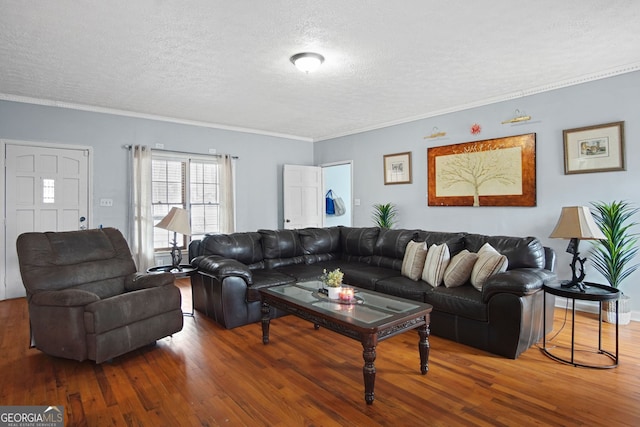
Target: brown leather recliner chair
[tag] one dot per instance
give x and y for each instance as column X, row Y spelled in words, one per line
column 86, row 299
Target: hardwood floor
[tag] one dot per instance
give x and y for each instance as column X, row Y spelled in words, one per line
column 206, row 375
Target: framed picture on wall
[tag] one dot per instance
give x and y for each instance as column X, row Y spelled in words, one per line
column 598, row 148
column 493, row 172
column 397, row 168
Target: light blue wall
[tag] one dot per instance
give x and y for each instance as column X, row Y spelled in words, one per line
column 259, row 168
column 603, row 101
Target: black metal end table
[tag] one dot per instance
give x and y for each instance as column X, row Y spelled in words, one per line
column 593, row 292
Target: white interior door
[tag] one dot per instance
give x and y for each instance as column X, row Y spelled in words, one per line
column 46, row 189
column 303, row 198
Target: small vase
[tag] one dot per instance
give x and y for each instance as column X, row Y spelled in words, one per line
column 334, row 292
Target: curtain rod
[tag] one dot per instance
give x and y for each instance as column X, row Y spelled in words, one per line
column 129, row 146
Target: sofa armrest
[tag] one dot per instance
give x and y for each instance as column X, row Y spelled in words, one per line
column 64, row 298
column 139, row 281
column 520, row 281
column 220, row 268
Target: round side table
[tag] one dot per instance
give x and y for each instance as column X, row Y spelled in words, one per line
column 185, row 270
column 593, row 292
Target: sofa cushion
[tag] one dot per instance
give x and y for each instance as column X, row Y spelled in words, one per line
column 413, row 261
column 463, row 301
column 489, row 262
column 244, row 247
column 522, row 252
column 364, row 275
column 390, row 247
column 281, row 244
column 436, row 264
column 392, row 243
column 265, row 279
column 458, row 271
column 358, row 242
column 403, row 287
column 320, row 244
column 455, row 241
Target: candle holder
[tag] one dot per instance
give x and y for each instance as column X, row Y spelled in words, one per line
column 346, row 293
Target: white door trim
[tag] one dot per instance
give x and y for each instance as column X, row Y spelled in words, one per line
column 3, row 144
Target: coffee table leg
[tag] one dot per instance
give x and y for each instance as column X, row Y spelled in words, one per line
column 266, row 317
column 423, row 348
column 369, row 370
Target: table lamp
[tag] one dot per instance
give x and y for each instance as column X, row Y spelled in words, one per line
column 177, row 220
column 576, row 223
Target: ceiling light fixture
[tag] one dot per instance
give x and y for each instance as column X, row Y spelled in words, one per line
column 307, row 62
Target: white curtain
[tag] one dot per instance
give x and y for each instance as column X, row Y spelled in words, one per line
column 227, row 191
column 140, row 212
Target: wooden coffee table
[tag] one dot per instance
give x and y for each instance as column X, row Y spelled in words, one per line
column 371, row 318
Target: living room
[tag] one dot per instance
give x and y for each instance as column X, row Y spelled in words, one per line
column 600, row 96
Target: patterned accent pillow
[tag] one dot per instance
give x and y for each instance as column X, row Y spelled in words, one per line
column 413, row 261
column 459, row 270
column 438, row 258
column 489, row 262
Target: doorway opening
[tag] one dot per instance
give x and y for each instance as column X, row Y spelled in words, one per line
column 337, row 177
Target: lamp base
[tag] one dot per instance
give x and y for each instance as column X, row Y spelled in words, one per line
column 571, row 284
column 176, row 254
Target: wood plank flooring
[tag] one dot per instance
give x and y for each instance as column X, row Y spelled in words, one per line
column 208, row 376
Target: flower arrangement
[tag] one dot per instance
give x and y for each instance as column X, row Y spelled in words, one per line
column 332, row 279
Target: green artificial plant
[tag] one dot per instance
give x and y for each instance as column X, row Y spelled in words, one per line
column 384, row 215
column 611, row 256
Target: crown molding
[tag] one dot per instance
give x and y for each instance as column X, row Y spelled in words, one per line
column 125, row 113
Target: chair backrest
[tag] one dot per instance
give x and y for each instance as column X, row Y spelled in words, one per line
column 97, row 260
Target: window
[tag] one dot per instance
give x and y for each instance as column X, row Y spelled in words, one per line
column 186, row 182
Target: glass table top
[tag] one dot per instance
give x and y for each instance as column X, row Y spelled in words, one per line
column 369, row 307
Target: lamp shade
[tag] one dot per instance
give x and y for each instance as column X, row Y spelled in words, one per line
column 177, row 220
column 577, row 222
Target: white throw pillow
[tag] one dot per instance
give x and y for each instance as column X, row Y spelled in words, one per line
column 489, row 262
column 413, row 261
column 436, row 263
column 459, row 270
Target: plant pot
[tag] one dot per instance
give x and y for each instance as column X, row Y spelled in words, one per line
column 334, row 292
column 624, row 310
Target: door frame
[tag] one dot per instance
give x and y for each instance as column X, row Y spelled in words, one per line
column 3, row 145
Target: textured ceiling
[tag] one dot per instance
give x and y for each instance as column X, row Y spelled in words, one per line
column 226, row 63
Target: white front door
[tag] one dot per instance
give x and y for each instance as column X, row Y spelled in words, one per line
column 303, row 198
column 46, row 189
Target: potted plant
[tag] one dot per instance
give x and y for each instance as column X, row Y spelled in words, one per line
column 333, row 281
column 612, row 256
column 384, row 215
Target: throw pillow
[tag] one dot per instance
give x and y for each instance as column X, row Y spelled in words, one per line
column 459, row 270
column 413, row 261
column 435, row 265
column 489, row 262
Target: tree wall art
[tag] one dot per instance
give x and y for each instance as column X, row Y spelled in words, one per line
column 493, row 172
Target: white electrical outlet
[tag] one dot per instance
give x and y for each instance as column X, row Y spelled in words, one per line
column 356, row 202
column 212, row 151
column 159, row 146
column 106, row 202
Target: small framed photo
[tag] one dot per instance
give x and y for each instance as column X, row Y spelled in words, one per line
column 397, row 168
column 597, row 148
